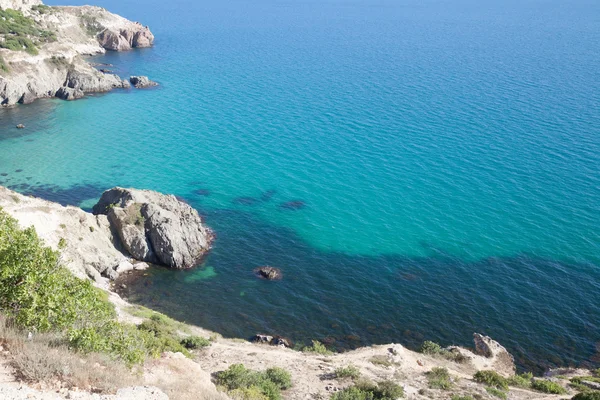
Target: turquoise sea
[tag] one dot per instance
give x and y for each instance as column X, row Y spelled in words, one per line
column 442, row 160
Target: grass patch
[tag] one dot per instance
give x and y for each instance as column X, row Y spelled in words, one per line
column 439, row 378
column 384, row 361
column 492, row 379
column 349, row 371
column 243, row 383
column 146, row 313
column 546, row 386
column 317, row 348
column 46, row 358
column 496, row 392
column 366, row 390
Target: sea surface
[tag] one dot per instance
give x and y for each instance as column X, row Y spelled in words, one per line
column 418, row 169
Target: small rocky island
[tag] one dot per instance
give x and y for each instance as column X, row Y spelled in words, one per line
column 42, row 50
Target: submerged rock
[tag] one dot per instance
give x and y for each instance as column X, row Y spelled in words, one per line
column 20, row 126
column 293, row 205
column 269, row 273
column 156, row 228
column 140, row 82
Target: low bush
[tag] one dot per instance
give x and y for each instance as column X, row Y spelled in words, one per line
column 522, row 380
column 366, row 390
column 430, row 348
column 591, row 395
column 496, row 392
column 458, row 397
column 194, row 342
column 492, row 379
column 4, row 66
column 317, row 348
column 19, row 32
column 439, row 378
column 546, row 386
column 244, row 383
column 347, row 372
column 434, row 349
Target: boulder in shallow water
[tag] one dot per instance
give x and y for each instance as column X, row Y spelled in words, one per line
column 269, row 273
column 20, row 126
column 156, row 228
column 140, row 82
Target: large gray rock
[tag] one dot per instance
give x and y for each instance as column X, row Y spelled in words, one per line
column 67, row 93
column 156, row 228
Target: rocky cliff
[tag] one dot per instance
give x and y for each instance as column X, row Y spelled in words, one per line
column 41, row 53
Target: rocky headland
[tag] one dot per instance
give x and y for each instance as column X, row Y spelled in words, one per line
column 42, row 50
column 129, row 227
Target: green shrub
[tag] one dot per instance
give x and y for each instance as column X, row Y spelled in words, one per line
column 439, row 378
column 194, row 342
column 522, row 380
column 244, row 383
column 546, row 386
column 492, row 379
column 458, row 397
column 352, row 393
column 279, row 377
column 40, row 295
column 347, row 372
column 496, row 392
column 430, row 348
column 366, row 390
column 317, row 347
column 591, row 395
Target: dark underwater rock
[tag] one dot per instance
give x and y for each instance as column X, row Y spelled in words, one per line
column 293, row 205
column 268, row 273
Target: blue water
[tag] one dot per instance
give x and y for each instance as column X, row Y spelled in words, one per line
column 446, row 155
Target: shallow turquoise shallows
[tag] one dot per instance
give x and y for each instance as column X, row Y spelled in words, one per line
column 417, row 169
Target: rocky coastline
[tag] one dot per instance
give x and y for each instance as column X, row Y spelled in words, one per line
column 52, row 63
column 129, row 228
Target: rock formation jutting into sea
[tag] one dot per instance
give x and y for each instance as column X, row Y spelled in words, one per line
column 42, row 50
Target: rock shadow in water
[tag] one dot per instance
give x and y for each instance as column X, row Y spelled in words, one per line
column 73, row 195
column 292, row 205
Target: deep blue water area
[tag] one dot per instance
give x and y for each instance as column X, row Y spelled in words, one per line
column 419, row 170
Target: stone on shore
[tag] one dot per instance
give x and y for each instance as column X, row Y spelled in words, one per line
column 156, row 228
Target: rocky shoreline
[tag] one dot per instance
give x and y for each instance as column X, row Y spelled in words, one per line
column 56, row 67
column 130, row 227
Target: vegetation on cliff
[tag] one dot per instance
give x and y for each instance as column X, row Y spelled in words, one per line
column 18, row 32
column 41, row 296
